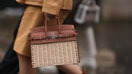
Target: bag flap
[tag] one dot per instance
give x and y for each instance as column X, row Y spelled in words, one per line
column 39, row 32
column 51, row 28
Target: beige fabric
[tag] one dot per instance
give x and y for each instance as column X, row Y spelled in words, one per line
column 49, row 6
column 33, row 17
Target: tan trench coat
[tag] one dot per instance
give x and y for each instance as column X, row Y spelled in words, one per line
column 33, row 16
column 49, row 6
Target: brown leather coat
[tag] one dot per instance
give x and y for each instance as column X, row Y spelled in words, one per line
column 49, row 6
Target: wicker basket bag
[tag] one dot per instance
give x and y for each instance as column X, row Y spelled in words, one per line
column 53, row 45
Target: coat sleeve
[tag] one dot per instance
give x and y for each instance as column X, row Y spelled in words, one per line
column 20, row 1
column 52, row 6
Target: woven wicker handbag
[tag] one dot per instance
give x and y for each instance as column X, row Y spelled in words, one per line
column 53, row 45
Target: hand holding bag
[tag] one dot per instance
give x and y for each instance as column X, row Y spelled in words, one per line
column 53, row 45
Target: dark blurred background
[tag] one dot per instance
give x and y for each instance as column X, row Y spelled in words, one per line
column 113, row 33
column 8, row 3
column 10, row 12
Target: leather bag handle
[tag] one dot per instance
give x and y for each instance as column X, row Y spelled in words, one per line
column 58, row 23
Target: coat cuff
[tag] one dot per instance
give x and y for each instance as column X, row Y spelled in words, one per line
column 51, row 10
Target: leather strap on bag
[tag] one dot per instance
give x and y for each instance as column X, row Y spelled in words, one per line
column 58, row 23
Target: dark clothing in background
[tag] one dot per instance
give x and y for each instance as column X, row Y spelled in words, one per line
column 9, row 64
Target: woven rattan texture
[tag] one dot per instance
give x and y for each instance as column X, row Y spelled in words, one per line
column 54, row 54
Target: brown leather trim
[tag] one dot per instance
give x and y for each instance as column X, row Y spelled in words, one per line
column 53, row 40
column 42, row 35
column 52, row 28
